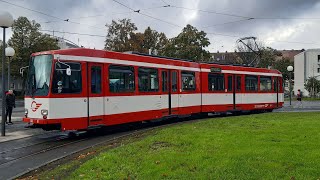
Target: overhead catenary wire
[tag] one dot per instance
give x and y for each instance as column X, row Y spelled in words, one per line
column 158, row 19
column 74, row 33
column 146, row 15
column 48, row 15
column 230, row 22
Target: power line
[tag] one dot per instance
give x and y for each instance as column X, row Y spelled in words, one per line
column 146, row 15
column 102, row 15
column 74, row 33
column 165, row 2
column 231, row 22
column 208, row 11
column 242, row 16
column 32, row 10
column 124, row 5
column 39, row 12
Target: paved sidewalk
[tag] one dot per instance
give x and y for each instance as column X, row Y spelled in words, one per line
column 17, row 130
column 307, row 106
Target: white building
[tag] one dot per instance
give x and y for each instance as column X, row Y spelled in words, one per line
column 306, row 64
column 66, row 44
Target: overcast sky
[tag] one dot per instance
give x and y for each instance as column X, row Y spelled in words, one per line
column 280, row 24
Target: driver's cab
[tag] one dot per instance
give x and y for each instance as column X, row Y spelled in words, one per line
column 54, row 90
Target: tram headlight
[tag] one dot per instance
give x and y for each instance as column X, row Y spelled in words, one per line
column 44, row 112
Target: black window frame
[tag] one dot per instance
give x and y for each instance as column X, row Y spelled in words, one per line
column 174, row 84
column 165, row 82
column 265, row 77
column 256, row 88
column 55, row 88
column 96, row 89
column 238, row 83
column 217, row 77
column 117, row 68
column 230, row 83
column 149, row 79
column 188, row 74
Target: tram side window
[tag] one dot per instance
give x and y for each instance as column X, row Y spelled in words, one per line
column 216, row 82
column 174, row 85
column 188, row 81
column 275, row 80
column 121, row 79
column 265, row 83
column 96, row 79
column 165, row 81
column 64, row 84
column 251, row 83
column 238, row 83
column 148, row 80
column 230, row 83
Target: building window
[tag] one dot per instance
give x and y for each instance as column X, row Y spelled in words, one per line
column 215, row 82
column 121, row 78
column 251, row 83
column 96, row 79
column 188, row 81
column 265, row 83
column 318, row 70
column 319, row 58
column 148, row 80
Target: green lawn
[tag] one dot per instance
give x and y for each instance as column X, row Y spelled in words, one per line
column 261, row 146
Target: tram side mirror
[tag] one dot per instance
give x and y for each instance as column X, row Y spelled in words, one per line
column 22, row 69
column 68, row 71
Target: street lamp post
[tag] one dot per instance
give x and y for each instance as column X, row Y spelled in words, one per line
column 290, row 69
column 6, row 20
column 9, row 53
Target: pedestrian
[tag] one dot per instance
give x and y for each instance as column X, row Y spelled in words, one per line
column 299, row 99
column 11, row 103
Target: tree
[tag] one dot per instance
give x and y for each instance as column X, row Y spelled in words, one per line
column 119, row 35
column 282, row 65
column 27, row 39
column 313, row 86
column 267, row 57
column 154, row 40
column 136, row 42
column 189, row 44
column 150, row 39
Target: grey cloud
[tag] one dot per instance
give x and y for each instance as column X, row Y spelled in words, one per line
column 70, row 9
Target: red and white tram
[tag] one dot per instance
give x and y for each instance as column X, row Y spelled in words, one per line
column 76, row 89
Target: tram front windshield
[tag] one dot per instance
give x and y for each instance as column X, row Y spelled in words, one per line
column 38, row 81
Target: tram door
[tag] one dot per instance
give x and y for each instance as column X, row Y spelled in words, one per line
column 95, row 96
column 234, row 86
column 276, row 89
column 237, row 91
column 170, row 99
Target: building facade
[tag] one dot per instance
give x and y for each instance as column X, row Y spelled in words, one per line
column 306, row 64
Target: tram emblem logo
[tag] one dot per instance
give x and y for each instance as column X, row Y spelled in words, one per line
column 35, row 106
